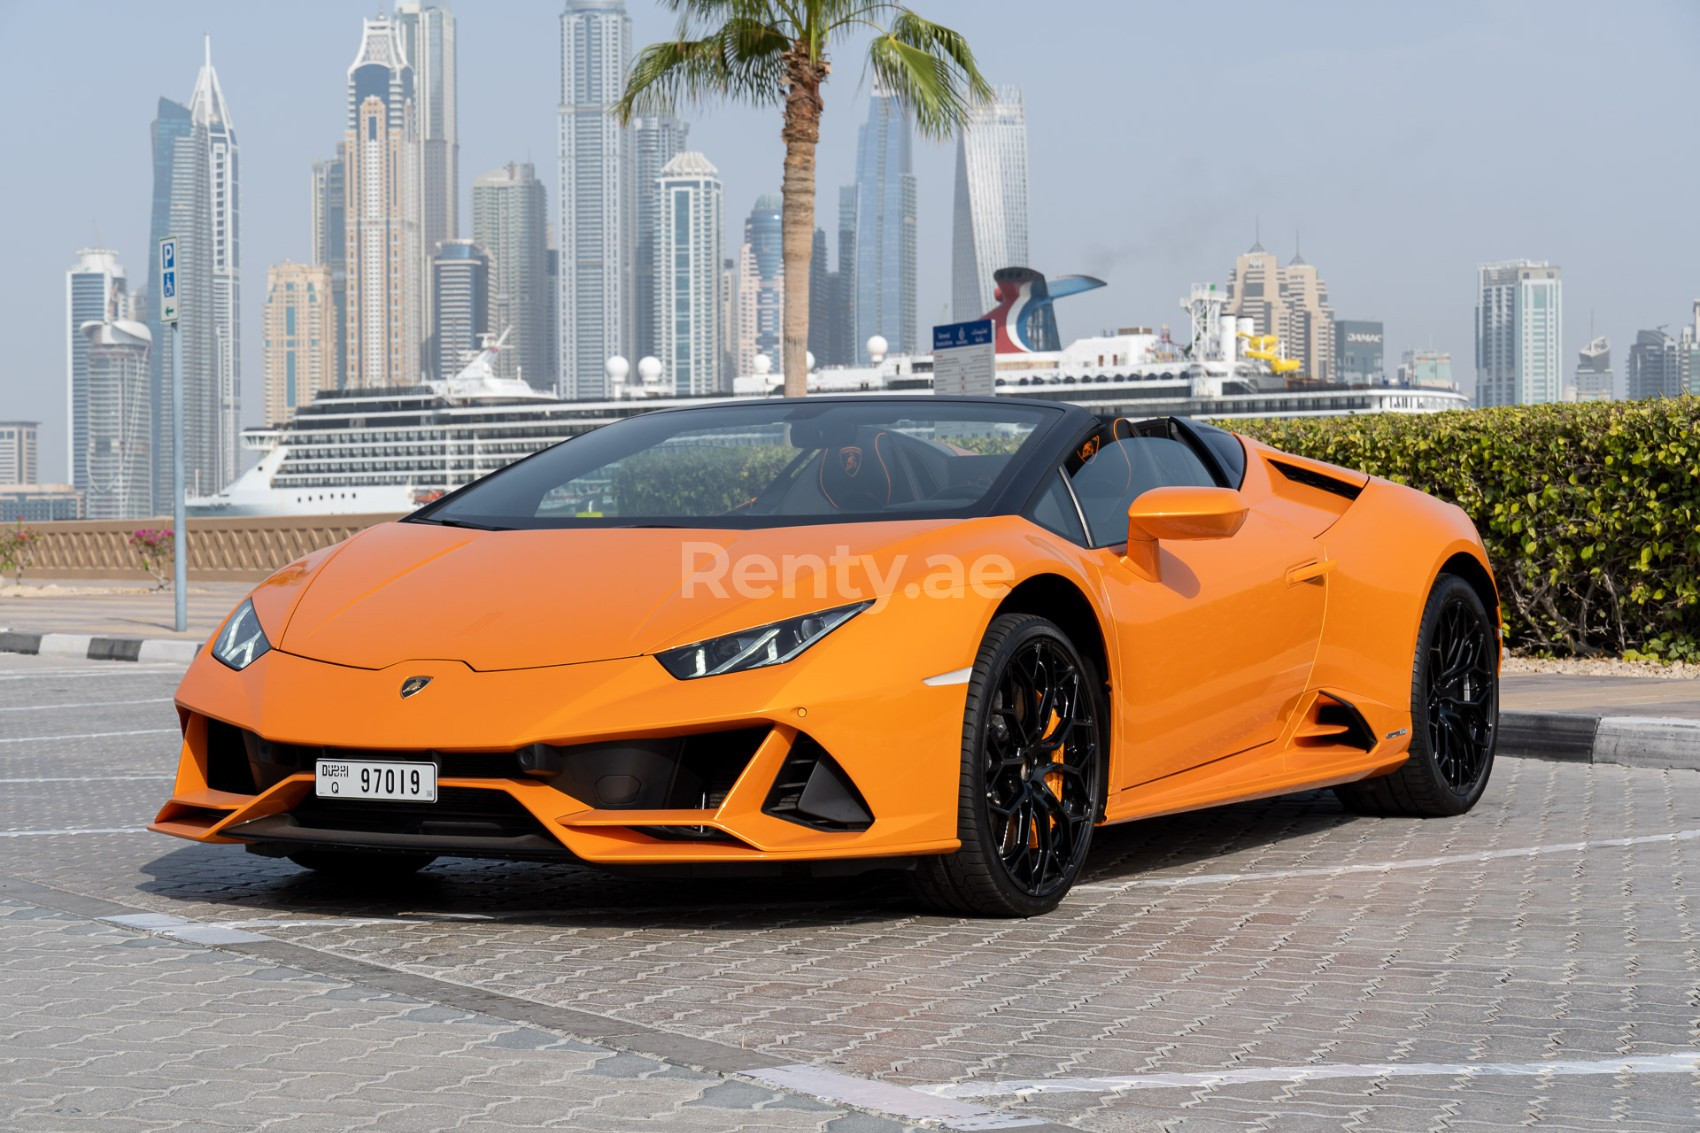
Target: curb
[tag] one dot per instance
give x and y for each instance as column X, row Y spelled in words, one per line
column 1659, row 742
column 87, row 647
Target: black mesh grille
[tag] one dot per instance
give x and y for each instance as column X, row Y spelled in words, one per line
column 458, row 811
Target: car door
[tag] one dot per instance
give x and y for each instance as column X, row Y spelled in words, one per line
column 1213, row 654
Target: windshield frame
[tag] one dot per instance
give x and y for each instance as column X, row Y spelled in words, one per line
column 1008, row 493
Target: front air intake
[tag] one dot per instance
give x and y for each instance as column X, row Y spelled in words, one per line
column 811, row 789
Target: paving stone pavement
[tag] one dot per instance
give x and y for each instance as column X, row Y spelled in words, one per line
column 1273, row 965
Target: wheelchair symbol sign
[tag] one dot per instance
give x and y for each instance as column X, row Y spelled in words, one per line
column 168, row 285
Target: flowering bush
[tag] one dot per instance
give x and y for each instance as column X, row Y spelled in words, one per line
column 155, row 548
column 17, row 549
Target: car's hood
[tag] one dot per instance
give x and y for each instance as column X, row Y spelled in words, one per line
column 524, row 599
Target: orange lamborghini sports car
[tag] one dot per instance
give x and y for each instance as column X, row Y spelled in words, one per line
column 945, row 635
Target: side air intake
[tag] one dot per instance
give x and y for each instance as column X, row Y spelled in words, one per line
column 1333, row 723
column 811, row 789
column 1320, row 480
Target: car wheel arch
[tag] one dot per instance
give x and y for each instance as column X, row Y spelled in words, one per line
column 1061, row 601
column 1469, row 568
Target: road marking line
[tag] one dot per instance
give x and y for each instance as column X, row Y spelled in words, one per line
column 84, row 736
column 94, row 779
column 886, row 1097
column 98, row 704
column 1381, row 867
column 106, row 669
column 1685, row 1062
column 75, row 830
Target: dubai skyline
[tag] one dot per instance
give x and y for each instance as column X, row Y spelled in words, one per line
column 1397, row 190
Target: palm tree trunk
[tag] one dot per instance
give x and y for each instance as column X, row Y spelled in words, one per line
column 797, row 220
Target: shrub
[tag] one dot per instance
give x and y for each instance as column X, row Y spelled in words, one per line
column 156, row 549
column 1590, row 512
column 706, row 480
column 17, row 550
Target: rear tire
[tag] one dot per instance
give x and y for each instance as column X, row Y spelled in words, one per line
column 1454, row 713
column 354, row 865
column 1032, row 776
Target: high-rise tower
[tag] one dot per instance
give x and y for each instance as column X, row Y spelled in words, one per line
column 197, row 198
column 385, row 256
column 300, row 338
column 1519, row 333
column 426, row 30
column 687, row 276
column 329, row 211
column 510, row 222
column 990, row 230
column 96, row 289
column 885, row 228
column 655, row 140
column 208, row 111
column 761, row 286
column 460, row 296
column 596, row 200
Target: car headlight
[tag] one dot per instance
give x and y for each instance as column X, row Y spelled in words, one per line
column 241, row 640
column 771, row 644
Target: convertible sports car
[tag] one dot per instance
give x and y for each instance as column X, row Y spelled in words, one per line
column 951, row 635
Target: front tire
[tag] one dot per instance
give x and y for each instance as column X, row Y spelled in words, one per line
column 1454, row 713
column 1032, row 775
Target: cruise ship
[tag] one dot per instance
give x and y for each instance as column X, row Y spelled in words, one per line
column 384, row 451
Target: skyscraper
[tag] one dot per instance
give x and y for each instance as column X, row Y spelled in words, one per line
column 385, row 257
column 17, row 451
column 427, row 34
column 300, row 337
column 687, row 276
column 95, row 290
column 1594, row 380
column 1307, row 326
column 510, row 222
column 990, row 229
column 216, row 454
column 596, row 205
column 885, row 228
column 197, row 198
column 330, row 245
column 460, row 295
column 842, row 347
column 1655, row 366
column 116, row 461
column 1519, row 333
column 1290, row 302
column 655, row 140
column 761, row 286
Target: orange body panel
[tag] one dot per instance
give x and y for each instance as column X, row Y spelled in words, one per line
column 1220, row 652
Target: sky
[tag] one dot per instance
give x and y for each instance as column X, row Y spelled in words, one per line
column 1402, row 144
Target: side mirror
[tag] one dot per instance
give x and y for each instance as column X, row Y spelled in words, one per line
column 1178, row 513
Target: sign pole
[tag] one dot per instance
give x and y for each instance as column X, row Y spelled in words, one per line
column 179, row 534
column 168, row 314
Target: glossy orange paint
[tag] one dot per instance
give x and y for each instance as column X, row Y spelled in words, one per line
column 1222, row 626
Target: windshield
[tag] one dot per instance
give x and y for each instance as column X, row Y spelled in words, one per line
column 760, row 465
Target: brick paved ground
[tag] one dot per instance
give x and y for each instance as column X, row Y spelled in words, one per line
column 1278, row 964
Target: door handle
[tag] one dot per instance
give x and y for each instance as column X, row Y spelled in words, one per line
column 1310, row 572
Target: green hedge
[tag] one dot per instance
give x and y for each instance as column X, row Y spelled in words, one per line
column 706, row 480
column 1590, row 513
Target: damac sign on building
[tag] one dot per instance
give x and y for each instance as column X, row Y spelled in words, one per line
column 1373, row 337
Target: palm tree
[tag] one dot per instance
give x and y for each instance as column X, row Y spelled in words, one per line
column 776, row 52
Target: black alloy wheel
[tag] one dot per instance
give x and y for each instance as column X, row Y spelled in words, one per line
column 1032, row 775
column 1454, row 713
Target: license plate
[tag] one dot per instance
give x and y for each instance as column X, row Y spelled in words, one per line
column 358, row 779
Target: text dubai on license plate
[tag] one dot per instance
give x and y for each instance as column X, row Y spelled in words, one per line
column 356, row 779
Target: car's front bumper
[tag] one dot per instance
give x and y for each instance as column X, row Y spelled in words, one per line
column 517, row 753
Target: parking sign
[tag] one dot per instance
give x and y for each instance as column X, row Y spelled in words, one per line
column 168, row 281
